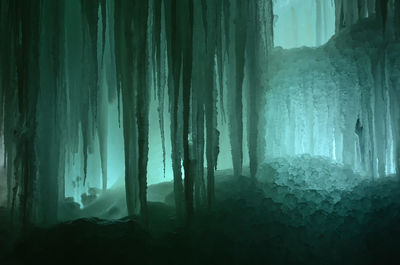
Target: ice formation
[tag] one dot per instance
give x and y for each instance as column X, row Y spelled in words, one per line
column 86, row 85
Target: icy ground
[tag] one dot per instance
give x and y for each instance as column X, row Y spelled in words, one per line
column 298, row 212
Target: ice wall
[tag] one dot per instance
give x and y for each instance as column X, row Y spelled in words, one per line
column 340, row 100
column 300, row 23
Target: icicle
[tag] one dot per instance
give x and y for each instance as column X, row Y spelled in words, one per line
column 201, row 188
column 212, row 148
column 142, row 101
column 339, row 15
column 204, row 18
column 186, row 87
column 106, row 88
column 381, row 7
column 174, row 69
column 109, row 61
column 89, row 123
column 363, row 8
column 103, row 7
column 197, row 148
column 254, row 91
column 220, row 56
column 49, row 132
column 226, row 12
column 371, row 7
column 210, row 99
column 25, row 40
column 197, row 105
column 236, row 111
column 7, row 94
column 102, row 131
column 160, row 110
column 131, row 31
column 397, row 21
column 318, row 23
column 125, row 69
column 4, row 73
column 158, row 62
column 90, row 12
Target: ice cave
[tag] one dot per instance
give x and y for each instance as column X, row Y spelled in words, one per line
column 200, row 132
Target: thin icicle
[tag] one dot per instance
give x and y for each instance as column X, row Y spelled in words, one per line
column 197, row 106
column 103, row 7
column 90, row 12
column 220, row 55
column 236, row 115
column 102, row 131
column 397, row 19
column 143, row 98
column 319, row 18
column 158, row 36
column 187, row 53
column 254, row 90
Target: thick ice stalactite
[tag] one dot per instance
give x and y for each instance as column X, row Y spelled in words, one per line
column 174, row 69
column 211, row 33
column 20, row 83
column 8, row 96
column 131, row 46
column 49, row 121
column 258, row 46
column 91, row 76
column 197, row 105
column 142, row 101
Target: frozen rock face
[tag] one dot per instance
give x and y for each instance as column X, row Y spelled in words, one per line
column 340, row 100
